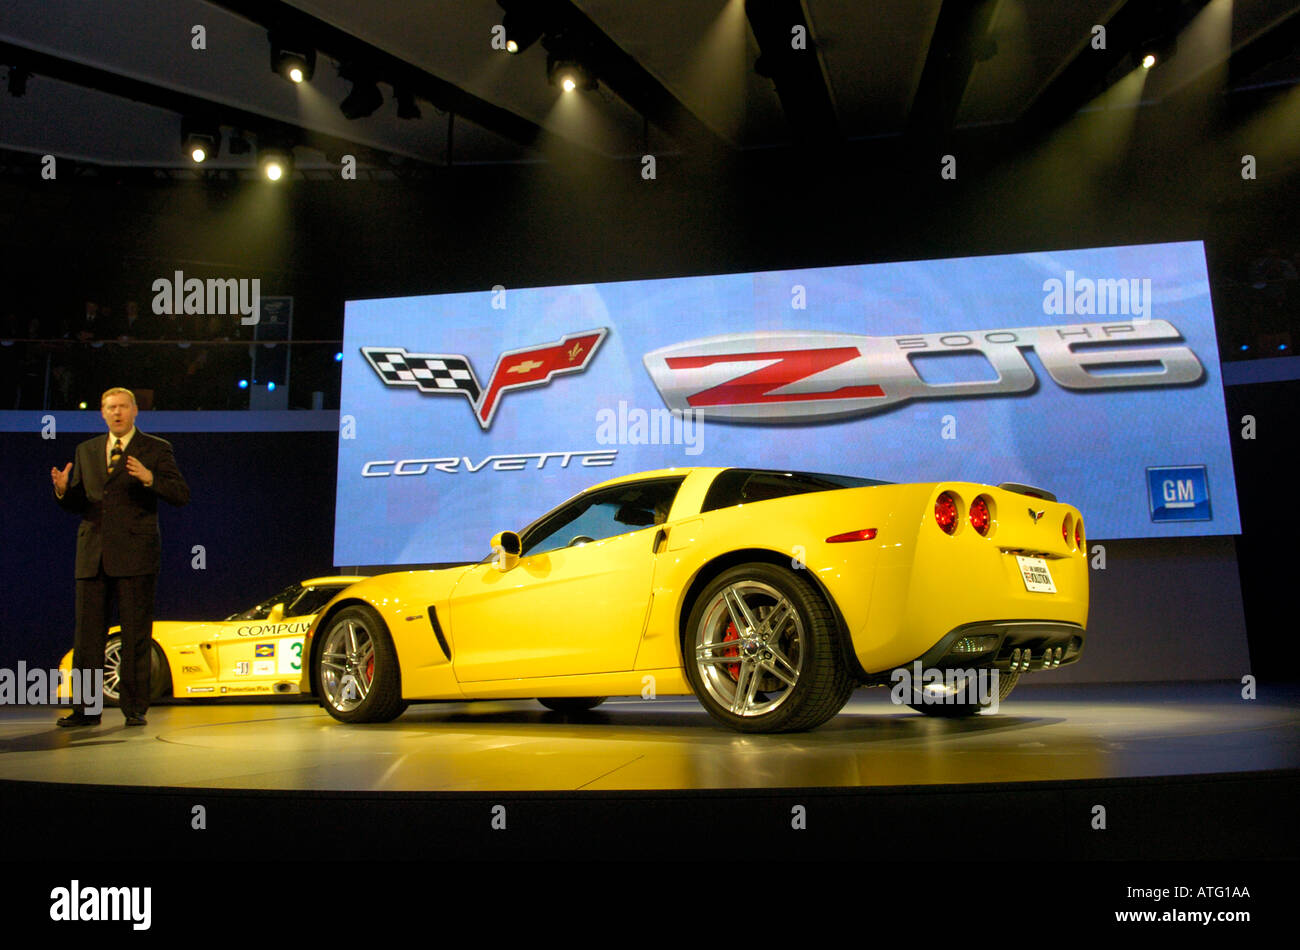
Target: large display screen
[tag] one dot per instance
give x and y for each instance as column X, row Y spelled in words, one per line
column 1091, row 373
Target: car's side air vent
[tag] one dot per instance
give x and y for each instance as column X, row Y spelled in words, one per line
column 1028, row 490
column 437, row 631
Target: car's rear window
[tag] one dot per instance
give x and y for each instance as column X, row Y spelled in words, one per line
column 739, row 486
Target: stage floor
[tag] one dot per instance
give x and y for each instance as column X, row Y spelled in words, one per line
column 1041, row 733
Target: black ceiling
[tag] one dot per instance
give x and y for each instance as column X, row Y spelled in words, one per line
column 112, row 83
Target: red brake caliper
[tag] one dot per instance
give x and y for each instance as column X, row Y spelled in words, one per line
column 733, row 669
column 370, row 669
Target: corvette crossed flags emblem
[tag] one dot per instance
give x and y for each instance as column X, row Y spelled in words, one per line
column 437, row 374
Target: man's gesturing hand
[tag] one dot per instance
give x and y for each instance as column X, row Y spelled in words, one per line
column 137, row 470
column 60, row 478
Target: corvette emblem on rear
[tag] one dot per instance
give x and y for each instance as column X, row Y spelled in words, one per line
column 1036, row 515
column 436, row 374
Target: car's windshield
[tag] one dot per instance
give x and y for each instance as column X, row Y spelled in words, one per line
column 261, row 611
column 298, row 601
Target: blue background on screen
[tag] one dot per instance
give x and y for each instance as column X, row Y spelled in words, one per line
column 1091, row 448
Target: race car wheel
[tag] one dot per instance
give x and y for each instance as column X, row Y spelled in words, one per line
column 160, row 676
column 572, row 704
column 945, row 710
column 356, row 667
column 761, row 651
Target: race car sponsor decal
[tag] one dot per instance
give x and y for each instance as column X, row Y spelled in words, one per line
column 289, row 660
column 199, row 689
column 264, row 649
column 778, row 376
column 191, row 669
column 242, row 668
column 272, row 629
column 437, row 374
column 264, row 667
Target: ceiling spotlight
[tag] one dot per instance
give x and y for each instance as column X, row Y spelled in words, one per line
column 201, row 141
column 1160, row 43
column 276, row 164
column 17, row 81
column 406, row 107
column 294, row 61
column 200, row 147
column 522, row 30
column 568, row 74
column 365, row 96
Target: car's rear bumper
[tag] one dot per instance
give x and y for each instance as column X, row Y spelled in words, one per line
column 1005, row 645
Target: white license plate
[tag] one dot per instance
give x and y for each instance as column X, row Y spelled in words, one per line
column 1037, row 575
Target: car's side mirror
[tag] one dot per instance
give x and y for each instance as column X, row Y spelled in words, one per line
column 505, row 550
column 276, row 614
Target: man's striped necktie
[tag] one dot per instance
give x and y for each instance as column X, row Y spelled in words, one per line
column 115, row 456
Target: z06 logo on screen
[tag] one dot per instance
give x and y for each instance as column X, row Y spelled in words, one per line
column 776, row 376
column 451, row 373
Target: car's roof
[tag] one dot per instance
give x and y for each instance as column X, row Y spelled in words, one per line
column 339, row 579
column 686, row 470
column 654, row 473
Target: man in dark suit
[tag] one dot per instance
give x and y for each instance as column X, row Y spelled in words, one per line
column 114, row 484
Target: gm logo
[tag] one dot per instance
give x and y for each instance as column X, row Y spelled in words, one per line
column 1179, row 493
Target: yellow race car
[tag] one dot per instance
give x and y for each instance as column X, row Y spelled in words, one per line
column 257, row 651
column 770, row 595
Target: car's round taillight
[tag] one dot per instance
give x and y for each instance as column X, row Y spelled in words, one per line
column 945, row 512
column 1078, row 534
column 979, row 516
column 1066, row 525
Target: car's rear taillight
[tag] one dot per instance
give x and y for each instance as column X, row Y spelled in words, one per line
column 980, row 519
column 945, row 512
column 1066, row 525
column 1078, row 534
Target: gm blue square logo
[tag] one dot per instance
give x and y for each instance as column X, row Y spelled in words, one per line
column 1179, row 493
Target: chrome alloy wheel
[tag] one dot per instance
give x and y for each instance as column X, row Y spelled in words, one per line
column 749, row 648
column 347, row 665
column 113, row 670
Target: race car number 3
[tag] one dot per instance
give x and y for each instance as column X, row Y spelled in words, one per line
column 1037, row 575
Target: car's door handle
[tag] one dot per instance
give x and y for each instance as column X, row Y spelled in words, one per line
column 660, row 541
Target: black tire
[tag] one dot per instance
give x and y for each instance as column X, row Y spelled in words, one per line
column 160, row 674
column 804, row 671
column 342, row 677
column 572, row 704
column 1006, row 683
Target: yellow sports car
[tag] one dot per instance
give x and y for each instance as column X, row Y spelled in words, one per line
column 770, row 595
column 256, row 651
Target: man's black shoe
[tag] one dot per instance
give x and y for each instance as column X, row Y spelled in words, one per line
column 79, row 719
column 135, row 720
